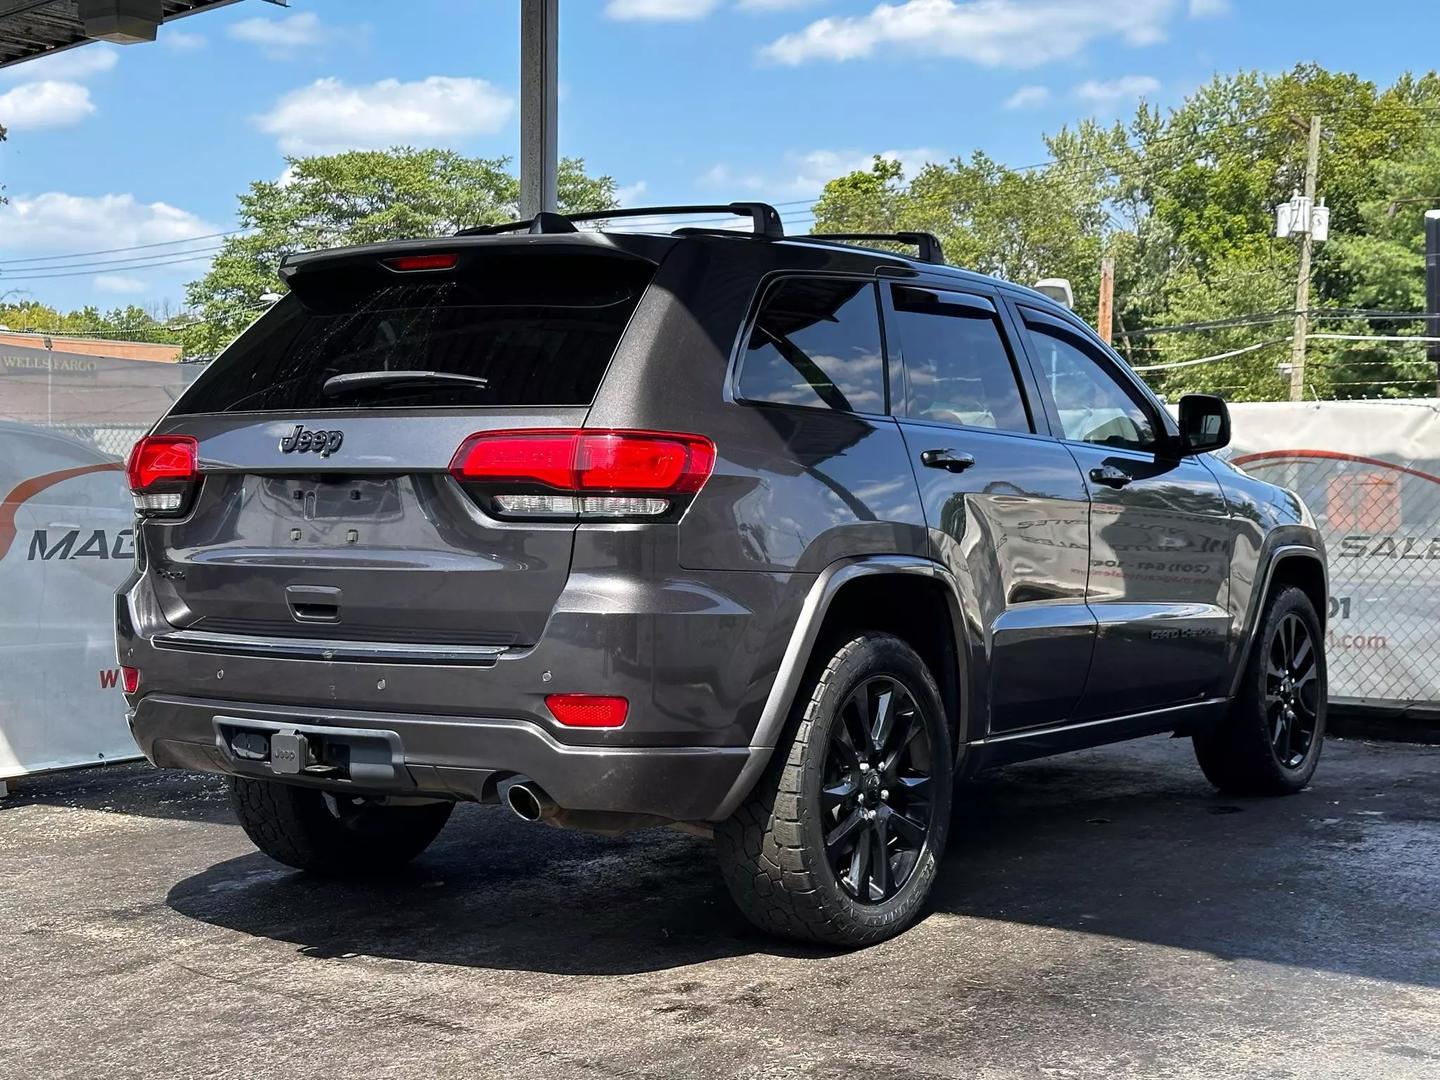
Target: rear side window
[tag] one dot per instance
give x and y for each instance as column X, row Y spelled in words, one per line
column 958, row 366
column 537, row 329
column 816, row 342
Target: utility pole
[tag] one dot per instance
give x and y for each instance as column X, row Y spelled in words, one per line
column 1105, row 318
column 1432, row 291
column 539, row 94
column 1302, row 286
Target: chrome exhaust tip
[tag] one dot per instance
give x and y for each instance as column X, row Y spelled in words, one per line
column 529, row 802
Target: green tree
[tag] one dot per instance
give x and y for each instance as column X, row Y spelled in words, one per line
column 130, row 323
column 358, row 197
column 1018, row 225
column 1183, row 200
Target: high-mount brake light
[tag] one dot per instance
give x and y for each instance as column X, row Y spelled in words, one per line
column 602, row 474
column 162, row 470
column 405, row 263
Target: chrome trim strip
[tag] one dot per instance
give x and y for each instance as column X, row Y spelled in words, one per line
column 364, row 652
column 1057, row 729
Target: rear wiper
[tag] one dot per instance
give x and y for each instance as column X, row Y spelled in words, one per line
column 367, row 380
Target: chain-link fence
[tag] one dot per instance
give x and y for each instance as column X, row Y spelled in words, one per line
column 1370, row 473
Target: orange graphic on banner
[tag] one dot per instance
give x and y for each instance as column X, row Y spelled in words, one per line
column 1363, row 502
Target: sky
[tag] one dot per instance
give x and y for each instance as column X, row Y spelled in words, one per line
column 115, row 147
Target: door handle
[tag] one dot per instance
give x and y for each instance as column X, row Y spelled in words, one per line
column 1111, row 476
column 949, row 460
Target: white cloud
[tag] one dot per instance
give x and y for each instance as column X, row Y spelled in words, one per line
column 629, row 194
column 119, row 284
column 32, row 106
column 1209, row 9
column 280, row 38
column 56, row 223
column 802, row 175
column 773, row 5
column 69, row 65
column 179, row 39
column 329, row 116
column 995, row 33
column 1113, row 90
column 724, row 177
column 667, row 10
column 1028, row 97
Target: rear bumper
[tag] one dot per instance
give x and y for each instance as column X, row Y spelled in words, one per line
column 447, row 757
column 695, row 656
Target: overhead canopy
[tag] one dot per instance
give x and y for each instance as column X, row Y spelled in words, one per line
column 35, row 28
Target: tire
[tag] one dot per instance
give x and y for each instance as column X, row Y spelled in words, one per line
column 1270, row 739
column 331, row 834
column 772, row 851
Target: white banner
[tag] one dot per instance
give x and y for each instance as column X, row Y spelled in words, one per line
column 1370, row 473
column 66, row 544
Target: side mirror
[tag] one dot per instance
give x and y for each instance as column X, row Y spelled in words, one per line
column 1204, row 423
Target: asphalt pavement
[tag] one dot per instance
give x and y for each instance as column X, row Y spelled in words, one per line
column 1104, row 914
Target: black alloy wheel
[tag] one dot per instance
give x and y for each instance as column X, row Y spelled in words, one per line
column 1292, row 691
column 875, row 803
column 1269, row 739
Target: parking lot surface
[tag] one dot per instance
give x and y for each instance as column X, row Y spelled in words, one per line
column 1104, row 914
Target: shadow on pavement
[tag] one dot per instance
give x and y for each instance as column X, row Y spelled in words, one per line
column 1118, row 843
column 496, row 892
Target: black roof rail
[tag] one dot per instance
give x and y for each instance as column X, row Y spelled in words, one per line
column 763, row 215
column 926, row 244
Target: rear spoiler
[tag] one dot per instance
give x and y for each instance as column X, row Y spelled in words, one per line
column 764, row 218
column 370, row 257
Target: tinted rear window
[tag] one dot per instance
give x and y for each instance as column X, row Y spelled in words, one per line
column 540, row 330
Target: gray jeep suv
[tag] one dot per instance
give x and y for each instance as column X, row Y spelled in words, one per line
column 769, row 538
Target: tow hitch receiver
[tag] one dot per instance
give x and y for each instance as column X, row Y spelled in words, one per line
column 289, row 753
column 361, row 756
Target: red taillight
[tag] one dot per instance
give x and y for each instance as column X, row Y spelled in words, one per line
column 162, row 471
column 642, row 461
column 588, row 710
column 129, row 678
column 421, row 262
column 541, row 457
column 158, row 458
column 614, row 461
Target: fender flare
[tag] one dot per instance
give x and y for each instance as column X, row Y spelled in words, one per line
column 803, row 637
column 1258, row 598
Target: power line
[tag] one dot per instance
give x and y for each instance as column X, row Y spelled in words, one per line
column 1258, row 318
column 100, row 266
column 111, row 269
column 112, row 251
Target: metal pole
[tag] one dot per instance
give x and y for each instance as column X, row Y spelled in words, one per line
column 539, row 91
column 1302, row 286
column 1105, row 317
column 1432, row 290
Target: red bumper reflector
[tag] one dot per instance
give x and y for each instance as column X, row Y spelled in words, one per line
column 130, row 678
column 421, row 262
column 588, row 710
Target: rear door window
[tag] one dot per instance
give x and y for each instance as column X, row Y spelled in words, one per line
column 816, row 342
column 957, row 364
column 537, row 329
